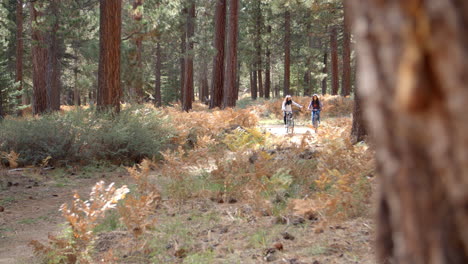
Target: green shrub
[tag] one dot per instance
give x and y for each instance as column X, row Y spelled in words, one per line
column 85, row 136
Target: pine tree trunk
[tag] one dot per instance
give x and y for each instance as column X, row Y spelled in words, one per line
column 53, row 60
column 267, row 67
column 137, row 16
column 258, row 46
column 39, row 60
column 325, row 72
column 183, row 46
column 19, row 48
column 76, row 92
column 204, row 86
column 231, row 59
column 188, row 83
column 218, row 62
column 253, row 85
column 358, row 130
column 157, row 76
column 334, row 61
column 109, row 90
column 307, row 83
column 412, row 77
column 346, row 78
column 287, row 51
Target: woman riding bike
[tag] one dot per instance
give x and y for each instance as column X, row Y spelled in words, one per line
column 287, row 107
column 316, row 106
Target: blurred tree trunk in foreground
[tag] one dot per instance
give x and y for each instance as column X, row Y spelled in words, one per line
column 412, row 75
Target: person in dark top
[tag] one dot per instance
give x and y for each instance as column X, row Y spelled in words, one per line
column 316, row 106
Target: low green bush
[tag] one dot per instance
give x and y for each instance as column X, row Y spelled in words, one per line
column 86, row 135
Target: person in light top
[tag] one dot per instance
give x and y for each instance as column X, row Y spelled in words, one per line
column 287, row 106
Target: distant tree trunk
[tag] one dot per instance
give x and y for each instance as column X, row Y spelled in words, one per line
column 157, row 76
column 412, row 77
column 258, row 46
column 267, row 68
column 39, row 60
column 204, row 86
column 76, row 92
column 334, row 61
column 183, row 46
column 231, row 59
column 346, row 78
column 253, row 86
column 19, row 48
column 287, row 51
column 307, row 83
column 137, row 16
column 358, row 130
column 188, row 83
column 218, row 62
column 53, row 60
column 238, row 73
column 325, row 72
column 109, row 90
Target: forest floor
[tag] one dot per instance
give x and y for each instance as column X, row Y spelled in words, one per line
column 196, row 230
column 31, row 200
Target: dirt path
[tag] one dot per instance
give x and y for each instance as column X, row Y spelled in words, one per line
column 31, row 210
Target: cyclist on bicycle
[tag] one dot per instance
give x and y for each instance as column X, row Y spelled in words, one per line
column 287, row 107
column 316, row 106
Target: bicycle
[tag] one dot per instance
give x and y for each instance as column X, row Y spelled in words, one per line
column 315, row 119
column 289, row 123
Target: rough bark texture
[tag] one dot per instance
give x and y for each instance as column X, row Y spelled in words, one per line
column 325, row 72
column 358, row 130
column 109, row 89
column 188, row 83
column 19, row 47
column 53, row 83
column 412, row 75
column 39, row 60
column 218, row 62
column 157, row 76
column 346, row 77
column 334, row 61
column 231, row 59
column 287, row 51
column 137, row 16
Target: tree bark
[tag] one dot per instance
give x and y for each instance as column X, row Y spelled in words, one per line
column 204, row 86
column 358, row 130
column 346, row 78
column 157, row 76
column 287, row 51
column 188, row 83
column 53, row 82
column 39, row 60
column 253, row 85
column 109, row 88
column 334, row 61
column 218, row 62
column 19, row 48
column 267, row 67
column 137, row 16
column 325, row 73
column 183, row 46
column 258, row 47
column 231, row 59
column 412, row 77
